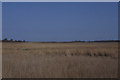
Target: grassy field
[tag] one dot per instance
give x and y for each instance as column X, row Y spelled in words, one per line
column 60, row 60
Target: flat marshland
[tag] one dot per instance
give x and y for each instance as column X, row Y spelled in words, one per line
column 60, row 60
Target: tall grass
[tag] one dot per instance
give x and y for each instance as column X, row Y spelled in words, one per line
column 56, row 60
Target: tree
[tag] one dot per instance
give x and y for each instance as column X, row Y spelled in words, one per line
column 11, row 40
column 23, row 40
column 5, row 40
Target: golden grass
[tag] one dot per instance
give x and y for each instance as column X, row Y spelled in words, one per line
column 60, row 60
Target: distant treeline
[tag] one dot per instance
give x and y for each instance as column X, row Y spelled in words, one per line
column 77, row 41
column 100, row 41
column 11, row 40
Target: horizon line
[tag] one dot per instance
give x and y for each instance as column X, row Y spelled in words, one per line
column 58, row 41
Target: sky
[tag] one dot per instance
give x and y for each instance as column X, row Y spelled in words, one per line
column 60, row 21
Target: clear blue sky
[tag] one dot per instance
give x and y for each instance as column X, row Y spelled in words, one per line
column 60, row 21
